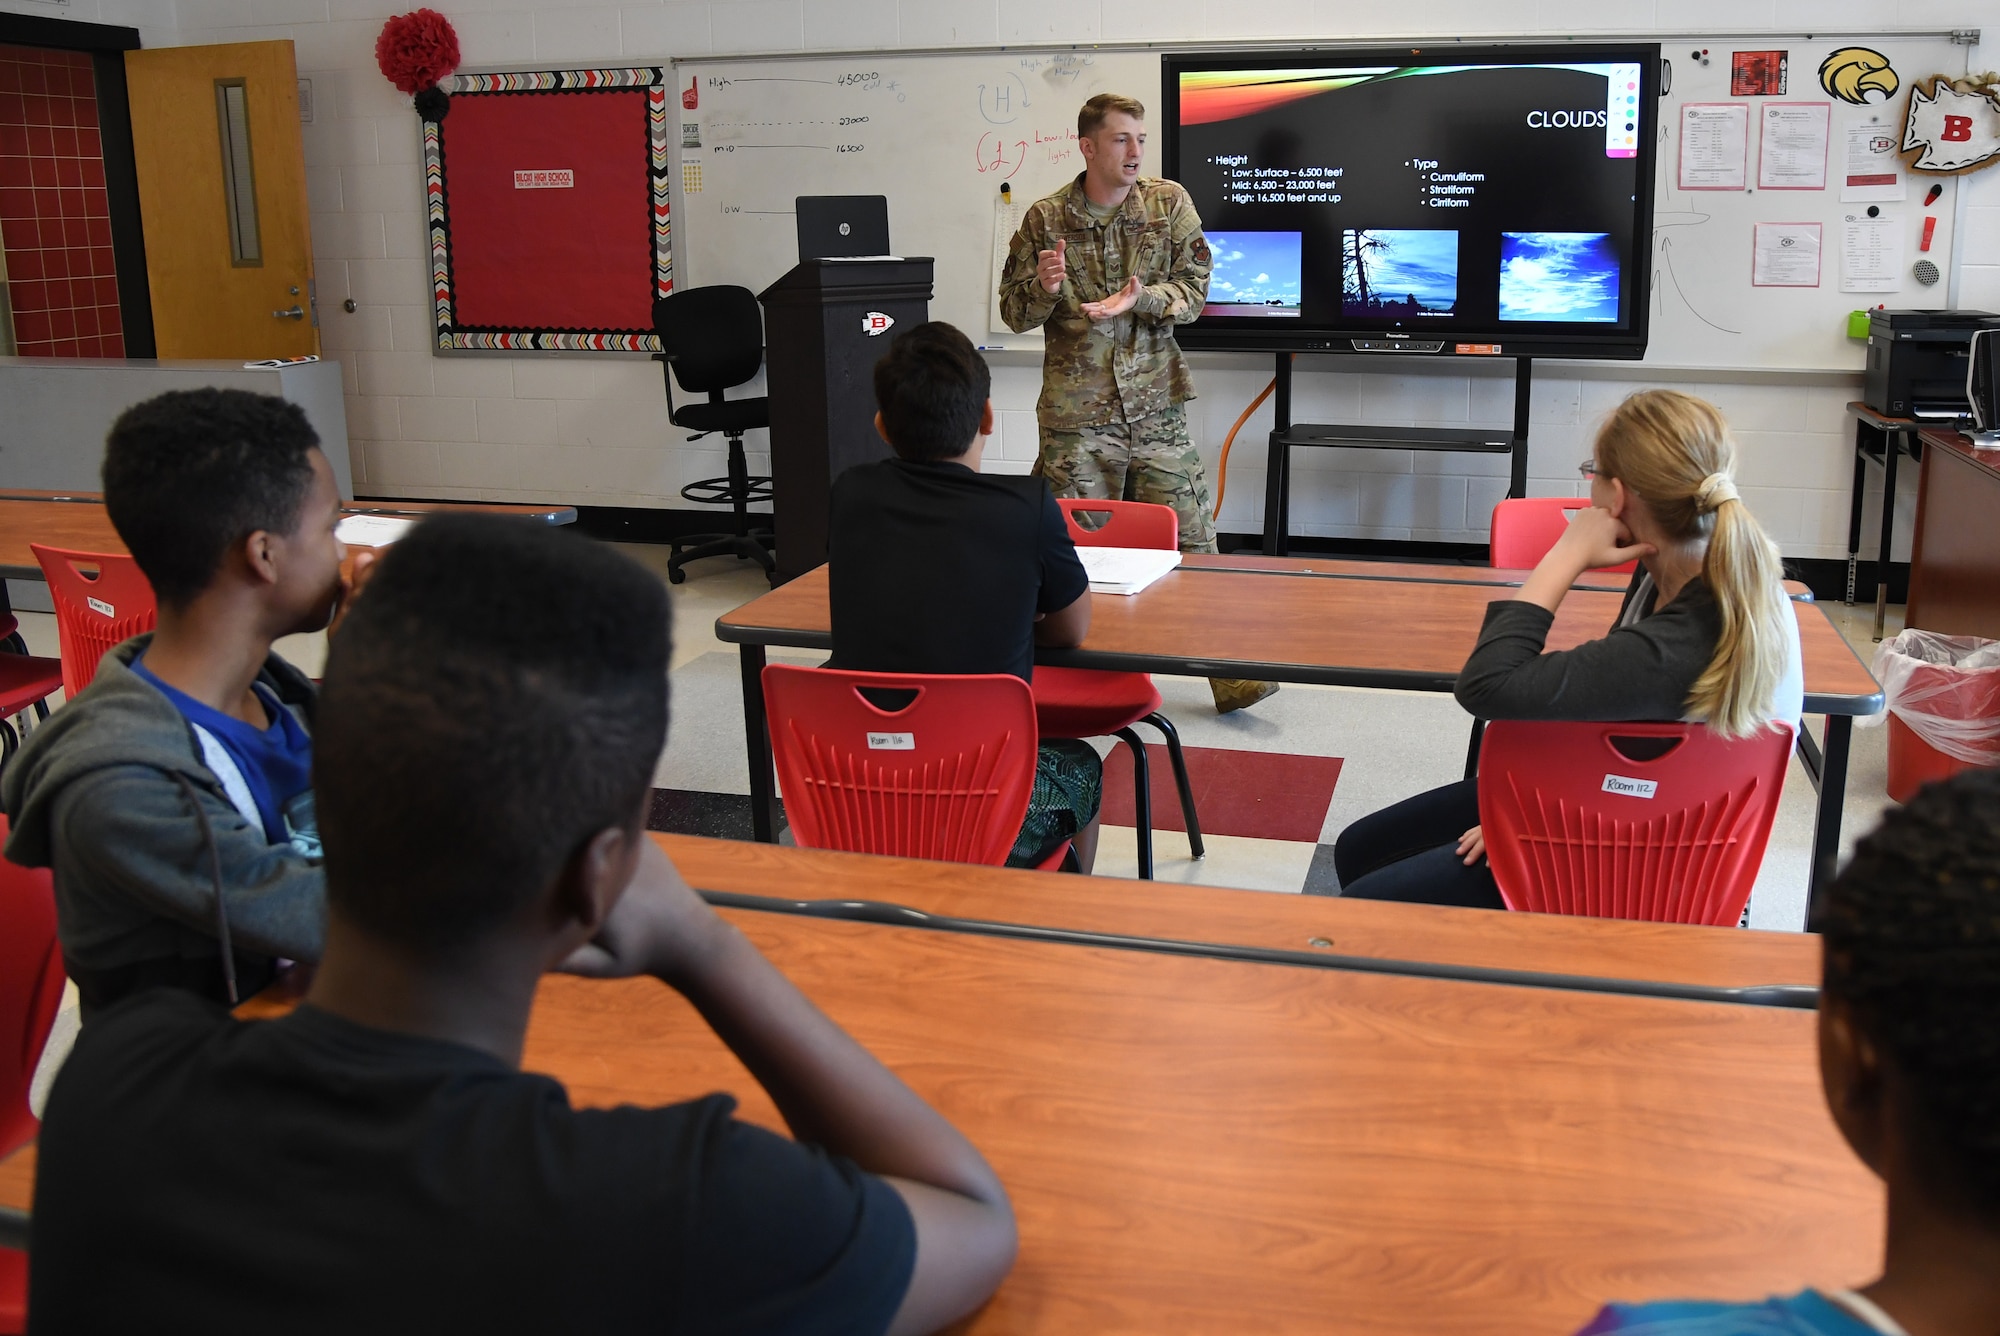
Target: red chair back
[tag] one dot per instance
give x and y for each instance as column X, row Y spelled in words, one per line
column 94, row 611
column 31, row 986
column 1574, row 825
column 1129, row 523
column 1526, row 527
column 946, row 777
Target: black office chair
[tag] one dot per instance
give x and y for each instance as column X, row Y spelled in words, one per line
column 712, row 339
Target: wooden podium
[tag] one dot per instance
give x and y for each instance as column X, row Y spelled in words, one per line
column 826, row 323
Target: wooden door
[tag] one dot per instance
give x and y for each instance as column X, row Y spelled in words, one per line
column 222, row 199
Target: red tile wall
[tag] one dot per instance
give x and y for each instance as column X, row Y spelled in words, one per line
column 54, row 222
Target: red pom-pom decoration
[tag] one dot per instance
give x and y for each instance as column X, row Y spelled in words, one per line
column 417, row 49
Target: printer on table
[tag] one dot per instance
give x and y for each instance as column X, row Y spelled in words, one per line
column 1917, row 361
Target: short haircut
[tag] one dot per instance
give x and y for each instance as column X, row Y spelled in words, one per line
column 932, row 386
column 496, row 697
column 191, row 473
column 1092, row 117
column 1912, row 946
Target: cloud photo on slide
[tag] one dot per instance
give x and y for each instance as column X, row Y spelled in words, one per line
column 1398, row 274
column 1255, row 273
column 1567, row 276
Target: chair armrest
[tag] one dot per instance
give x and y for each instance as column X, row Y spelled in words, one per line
column 666, row 361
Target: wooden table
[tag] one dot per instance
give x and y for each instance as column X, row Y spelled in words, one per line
column 1255, row 617
column 76, row 520
column 1955, row 553
column 1200, row 1145
column 1778, row 968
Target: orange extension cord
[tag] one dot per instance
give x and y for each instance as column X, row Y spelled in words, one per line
column 1222, row 465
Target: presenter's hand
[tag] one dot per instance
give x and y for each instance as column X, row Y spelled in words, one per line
column 1594, row 537
column 1117, row 304
column 1050, row 270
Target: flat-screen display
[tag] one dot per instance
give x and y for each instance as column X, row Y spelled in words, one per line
column 1462, row 197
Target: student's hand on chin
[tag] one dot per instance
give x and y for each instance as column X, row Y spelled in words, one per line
column 360, row 567
column 659, row 926
column 1594, row 537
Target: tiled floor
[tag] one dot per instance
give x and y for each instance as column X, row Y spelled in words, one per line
column 1329, row 753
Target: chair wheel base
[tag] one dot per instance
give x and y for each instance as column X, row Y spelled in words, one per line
column 753, row 546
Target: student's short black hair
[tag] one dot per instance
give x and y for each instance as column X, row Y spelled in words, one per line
column 1912, row 946
column 932, row 387
column 190, row 473
column 496, row 696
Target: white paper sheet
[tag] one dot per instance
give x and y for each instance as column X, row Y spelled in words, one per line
column 1785, row 255
column 1715, row 145
column 1791, row 147
column 1871, row 255
column 1125, row 570
column 1873, row 175
column 372, row 530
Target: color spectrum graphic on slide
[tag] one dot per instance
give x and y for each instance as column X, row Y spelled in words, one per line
column 1255, row 274
column 1392, row 272
column 1558, row 276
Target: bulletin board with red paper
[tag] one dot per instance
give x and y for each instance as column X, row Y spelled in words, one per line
column 549, row 211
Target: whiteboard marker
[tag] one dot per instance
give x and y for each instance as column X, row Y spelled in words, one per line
column 992, row 348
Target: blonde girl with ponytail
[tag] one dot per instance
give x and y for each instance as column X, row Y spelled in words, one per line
column 1706, row 634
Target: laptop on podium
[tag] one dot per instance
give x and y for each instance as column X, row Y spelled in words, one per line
column 842, row 226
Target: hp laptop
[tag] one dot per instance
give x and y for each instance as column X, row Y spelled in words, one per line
column 833, row 226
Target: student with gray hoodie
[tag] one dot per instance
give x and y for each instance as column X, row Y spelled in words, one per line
column 172, row 798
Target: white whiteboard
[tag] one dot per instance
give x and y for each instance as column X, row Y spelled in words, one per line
column 937, row 134
column 1705, row 311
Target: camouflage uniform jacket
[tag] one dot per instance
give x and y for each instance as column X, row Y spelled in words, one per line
column 1128, row 367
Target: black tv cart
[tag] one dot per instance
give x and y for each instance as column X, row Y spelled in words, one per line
column 1286, row 434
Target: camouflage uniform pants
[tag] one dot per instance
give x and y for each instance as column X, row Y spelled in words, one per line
column 1148, row 460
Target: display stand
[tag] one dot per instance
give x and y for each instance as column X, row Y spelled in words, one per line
column 1285, row 434
column 825, row 324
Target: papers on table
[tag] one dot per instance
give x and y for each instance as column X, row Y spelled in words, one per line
column 371, row 530
column 1125, row 570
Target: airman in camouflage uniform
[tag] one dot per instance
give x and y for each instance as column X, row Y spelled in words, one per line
column 1107, row 284
column 1111, row 419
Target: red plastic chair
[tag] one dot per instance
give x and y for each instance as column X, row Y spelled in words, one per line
column 94, row 611
column 31, row 985
column 1093, row 703
column 24, row 681
column 948, row 776
column 1526, row 527
column 1575, row 825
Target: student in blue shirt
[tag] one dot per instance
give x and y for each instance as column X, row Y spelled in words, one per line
column 1909, row 1050
column 173, row 796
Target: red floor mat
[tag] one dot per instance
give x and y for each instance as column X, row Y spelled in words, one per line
column 1261, row 795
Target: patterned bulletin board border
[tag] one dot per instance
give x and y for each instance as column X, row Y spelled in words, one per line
column 452, row 335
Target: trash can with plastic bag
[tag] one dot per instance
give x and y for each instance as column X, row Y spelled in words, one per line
column 1943, row 697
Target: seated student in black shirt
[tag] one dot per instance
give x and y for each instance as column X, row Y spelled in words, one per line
column 935, row 567
column 377, row 1161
